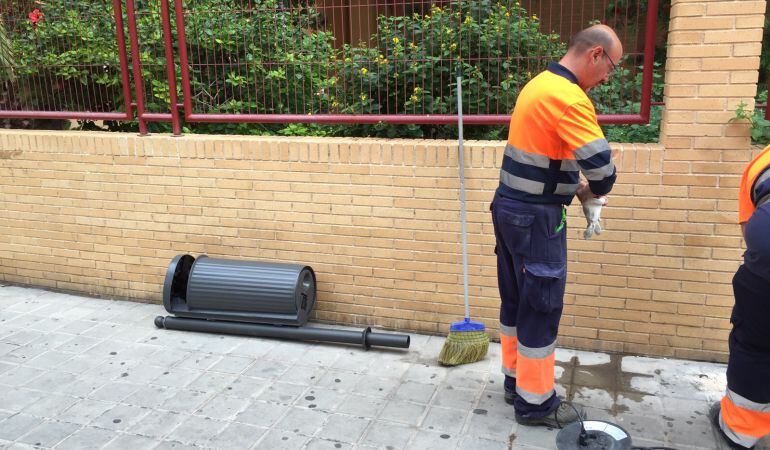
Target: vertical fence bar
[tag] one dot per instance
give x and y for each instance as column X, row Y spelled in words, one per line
column 183, row 62
column 136, row 65
column 176, row 124
column 767, row 102
column 123, row 57
column 649, row 60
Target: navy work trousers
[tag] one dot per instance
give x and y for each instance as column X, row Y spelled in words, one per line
column 531, row 272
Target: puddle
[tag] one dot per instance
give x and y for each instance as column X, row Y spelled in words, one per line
column 607, row 377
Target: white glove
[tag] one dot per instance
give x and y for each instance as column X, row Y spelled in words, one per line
column 592, row 209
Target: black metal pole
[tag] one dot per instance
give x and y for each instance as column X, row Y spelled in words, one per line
column 365, row 337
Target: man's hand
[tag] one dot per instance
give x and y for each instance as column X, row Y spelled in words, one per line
column 592, row 209
column 584, row 192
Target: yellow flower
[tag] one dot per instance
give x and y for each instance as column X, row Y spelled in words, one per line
column 529, row 74
column 395, row 40
column 363, row 97
column 363, row 71
column 534, row 16
column 468, row 20
column 453, row 46
column 413, row 99
column 335, row 104
column 507, row 14
column 417, row 90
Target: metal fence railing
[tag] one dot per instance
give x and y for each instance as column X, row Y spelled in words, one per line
column 312, row 61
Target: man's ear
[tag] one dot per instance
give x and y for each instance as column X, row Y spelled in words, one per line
column 596, row 53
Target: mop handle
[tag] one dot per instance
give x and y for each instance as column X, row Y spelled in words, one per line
column 462, row 190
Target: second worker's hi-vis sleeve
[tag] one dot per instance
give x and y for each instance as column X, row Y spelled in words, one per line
column 580, row 131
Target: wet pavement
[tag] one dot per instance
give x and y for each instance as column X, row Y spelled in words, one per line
column 79, row 372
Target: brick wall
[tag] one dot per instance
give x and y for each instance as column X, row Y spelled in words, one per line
column 378, row 220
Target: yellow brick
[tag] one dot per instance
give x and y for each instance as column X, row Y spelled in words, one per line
column 679, row 297
column 700, row 355
column 746, row 7
column 726, row 143
column 756, row 21
column 695, row 104
column 676, row 319
column 736, row 90
column 688, row 9
column 650, row 306
column 685, row 37
column 673, row 142
column 719, row 345
column 598, row 324
column 681, row 64
column 731, row 36
column 732, row 63
column 676, row 341
column 702, row 333
column 702, row 23
column 631, row 348
column 718, row 323
column 753, row 48
column 623, row 336
column 697, row 78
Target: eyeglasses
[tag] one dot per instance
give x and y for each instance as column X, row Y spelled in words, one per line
column 614, row 66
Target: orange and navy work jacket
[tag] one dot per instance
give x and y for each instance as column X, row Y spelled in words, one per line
column 553, row 137
column 755, row 186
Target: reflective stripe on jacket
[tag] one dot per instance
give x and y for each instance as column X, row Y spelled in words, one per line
column 553, row 136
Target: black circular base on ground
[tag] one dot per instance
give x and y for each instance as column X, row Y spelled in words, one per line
column 600, row 435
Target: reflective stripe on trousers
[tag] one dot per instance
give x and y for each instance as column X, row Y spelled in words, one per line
column 535, row 382
column 744, row 421
column 508, row 343
column 535, row 366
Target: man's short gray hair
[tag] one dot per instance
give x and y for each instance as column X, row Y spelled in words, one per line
column 591, row 37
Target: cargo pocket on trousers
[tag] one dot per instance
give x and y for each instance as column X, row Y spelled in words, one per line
column 544, row 285
column 517, row 231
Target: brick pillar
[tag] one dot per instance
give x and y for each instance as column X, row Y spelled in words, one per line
column 712, row 65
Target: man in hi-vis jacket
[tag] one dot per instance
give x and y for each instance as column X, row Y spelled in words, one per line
column 554, row 136
column 743, row 416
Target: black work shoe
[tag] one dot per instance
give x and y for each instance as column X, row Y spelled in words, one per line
column 724, row 440
column 510, row 396
column 563, row 415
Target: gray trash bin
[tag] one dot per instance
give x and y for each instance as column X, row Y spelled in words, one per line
column 241, row 291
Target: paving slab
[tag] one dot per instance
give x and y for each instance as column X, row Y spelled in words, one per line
column 80, row 372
